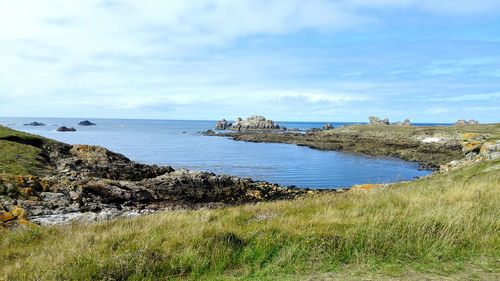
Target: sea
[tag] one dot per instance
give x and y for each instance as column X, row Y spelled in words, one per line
column 178, row 143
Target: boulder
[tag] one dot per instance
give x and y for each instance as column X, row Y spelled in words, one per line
column 36, row 124
column 255, row 122
column 377, row 121
column 223, row 124
column 463, row 122
column 86, row 123
column 66, row 129
column 328, row 126
column 405, row 123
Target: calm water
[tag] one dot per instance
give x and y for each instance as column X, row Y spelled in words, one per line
column 178, row 144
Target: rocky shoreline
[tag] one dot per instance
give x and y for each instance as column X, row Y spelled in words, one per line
column 431, row 146
column 90, row 183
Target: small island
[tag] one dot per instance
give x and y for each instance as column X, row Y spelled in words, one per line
column 35, row 124
column 66, row 129
column 86, row 123
column 252, row 123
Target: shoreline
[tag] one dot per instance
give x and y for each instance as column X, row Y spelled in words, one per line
column 80, row 179
column 431, row 146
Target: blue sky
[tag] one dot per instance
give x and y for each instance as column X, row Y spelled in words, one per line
column 430, row 61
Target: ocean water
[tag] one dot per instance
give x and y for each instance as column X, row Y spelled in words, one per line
column 178, row 144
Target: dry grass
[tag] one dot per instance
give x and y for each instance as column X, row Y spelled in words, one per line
column 438, row 226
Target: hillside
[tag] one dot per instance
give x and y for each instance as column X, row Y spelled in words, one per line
column 444, row 226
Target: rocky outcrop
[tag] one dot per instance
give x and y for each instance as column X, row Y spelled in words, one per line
column 463, row 122
column 91, row 183
column 86, row 123
column 17, row 216
column 223, row 124
column 255, row 123
column 405, row 123
column 328, row 126
column 66, row 129
column 430, row 146
column 377, row 121
column 476, row 148
column 36, row 124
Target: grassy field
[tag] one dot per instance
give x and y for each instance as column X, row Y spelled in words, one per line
column 445, row 226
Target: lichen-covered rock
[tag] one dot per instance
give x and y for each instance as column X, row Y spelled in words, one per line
column 405, row 123
column 366, row 187
column 223, row 124
column 377, row 121
column 16, row 217
column 91, row 181
column 96, row 161
column 254, row 122
column 471, row 146
column 463, row 122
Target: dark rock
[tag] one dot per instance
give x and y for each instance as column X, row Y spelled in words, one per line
column 209, row 133
column 35, row 124
column 66, row 129
column 328, row 126
column 93, row 181
column 86, row 123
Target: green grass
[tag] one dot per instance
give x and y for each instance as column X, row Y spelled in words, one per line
column 492, row 130
column 21, row 153
column 444, row 225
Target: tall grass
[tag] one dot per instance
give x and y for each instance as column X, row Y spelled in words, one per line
column 443, row 225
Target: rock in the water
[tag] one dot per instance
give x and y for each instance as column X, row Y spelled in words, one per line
column 86, row 123
column 328, row 126
column 66, row 129
column 223, row 124
column 35, row 124
column 463, row 122
column 255, row 122
column 377, row 121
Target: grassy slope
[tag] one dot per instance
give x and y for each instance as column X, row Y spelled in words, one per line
column 20, row 153
column 446, row 225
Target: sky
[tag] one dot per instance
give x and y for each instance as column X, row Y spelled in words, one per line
column 293, row 60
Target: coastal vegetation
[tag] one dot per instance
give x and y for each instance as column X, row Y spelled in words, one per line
column 446, row 225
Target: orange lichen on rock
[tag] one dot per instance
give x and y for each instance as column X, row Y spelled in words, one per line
column 19, row 212
column 255, row 194
column 472, row 146
column 365, row 187
column 18, row 216
column 6, row 216
column 28, row 191
column 470, row 136
column 25, row 222
column 20, row 181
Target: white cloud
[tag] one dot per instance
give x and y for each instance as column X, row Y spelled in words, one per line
column 470, row 97
column 125, row 55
